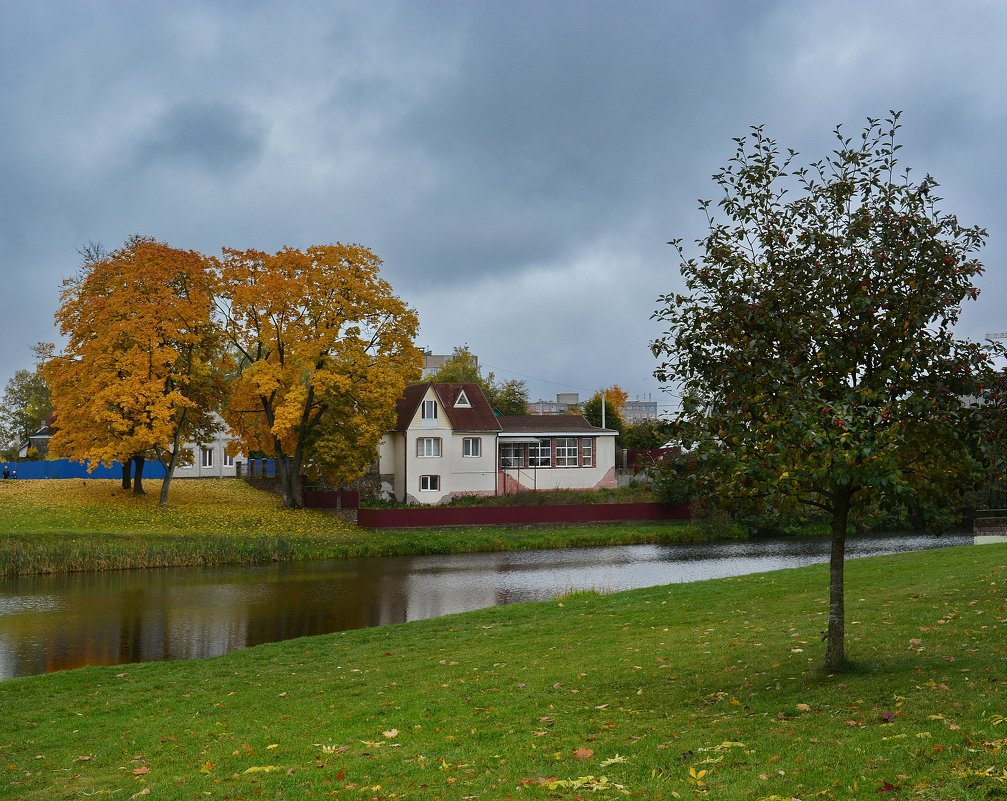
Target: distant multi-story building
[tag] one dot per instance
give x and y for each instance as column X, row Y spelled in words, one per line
column 636, row 410
column 432, row 362
column 565, row 402
column 632, row 412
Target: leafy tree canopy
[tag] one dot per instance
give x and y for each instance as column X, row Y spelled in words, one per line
column 814, row 344
column 137, row 374
column 325, row 349
column 645, row 435
column 615, row 398
column 25, row 406
column 508, row 397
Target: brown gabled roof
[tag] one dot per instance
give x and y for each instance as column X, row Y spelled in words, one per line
column 478, row 416
column 550, row 424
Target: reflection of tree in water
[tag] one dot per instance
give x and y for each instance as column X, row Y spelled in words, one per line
column 131, row 628
column 350, row 597
column 59, row 622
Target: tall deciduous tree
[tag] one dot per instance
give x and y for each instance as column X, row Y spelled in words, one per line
column 814, row 341
column 325, row 352
column 645, row 434
column 137, row 375
column 507, row 397
column 25, row 406
column 615, row 398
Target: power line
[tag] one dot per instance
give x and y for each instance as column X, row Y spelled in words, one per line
column 675, row 395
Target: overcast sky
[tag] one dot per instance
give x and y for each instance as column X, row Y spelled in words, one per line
column 519, row 166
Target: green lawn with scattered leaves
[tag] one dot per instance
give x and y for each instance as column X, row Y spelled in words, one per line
column 707, row 690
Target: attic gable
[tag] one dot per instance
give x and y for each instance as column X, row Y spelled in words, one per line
column 462, row 407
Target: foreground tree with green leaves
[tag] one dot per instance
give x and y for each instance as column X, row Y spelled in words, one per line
column 814, row 344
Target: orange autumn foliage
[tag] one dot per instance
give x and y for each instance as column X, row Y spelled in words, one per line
column 137, row 375
column 324, row 351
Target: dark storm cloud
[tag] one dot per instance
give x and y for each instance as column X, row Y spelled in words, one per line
column 204, row 136
column 556, row 125
column 519, row 166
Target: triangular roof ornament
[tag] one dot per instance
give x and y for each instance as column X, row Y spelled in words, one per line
column 463, row 400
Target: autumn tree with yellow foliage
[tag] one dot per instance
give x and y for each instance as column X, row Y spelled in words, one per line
column 324, row 351
column 138, row 375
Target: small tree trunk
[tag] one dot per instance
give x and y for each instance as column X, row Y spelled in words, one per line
column 138, row 474
column 835, row 645
column 165, row 486
column 169, row 471
column 127, row 482
column 169, row 468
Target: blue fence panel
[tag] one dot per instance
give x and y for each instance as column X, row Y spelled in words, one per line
column 64, row 468
column 258, row 468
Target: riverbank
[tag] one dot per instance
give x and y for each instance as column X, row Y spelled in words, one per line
column 65, row 526
column 712, row 686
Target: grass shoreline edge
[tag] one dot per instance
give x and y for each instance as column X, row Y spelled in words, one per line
column 69, row 526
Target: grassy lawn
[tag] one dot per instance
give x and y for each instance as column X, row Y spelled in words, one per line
column 684, row 691
column 56, row 526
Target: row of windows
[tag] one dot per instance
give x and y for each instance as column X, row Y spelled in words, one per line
column 431, row 446
column 561, row 451
column 206, row 459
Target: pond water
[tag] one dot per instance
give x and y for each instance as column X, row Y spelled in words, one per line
column 50, row 623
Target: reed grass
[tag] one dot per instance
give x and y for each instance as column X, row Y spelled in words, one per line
column 64, row 526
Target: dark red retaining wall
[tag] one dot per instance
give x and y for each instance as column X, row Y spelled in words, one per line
column 417, row 517
column 331, row 499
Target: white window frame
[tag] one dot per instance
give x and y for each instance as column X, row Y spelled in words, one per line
column 472, row 447
column 566, row 452
column 428, row 447
column 428, row 410
column 512, row 454
column 206, row 457
column 228, row 459
column 430, row 483
column 463, row 401
column 540, row 455
column 587, row 452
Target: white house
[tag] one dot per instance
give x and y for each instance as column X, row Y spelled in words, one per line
column 211, row 459
column 448, row 442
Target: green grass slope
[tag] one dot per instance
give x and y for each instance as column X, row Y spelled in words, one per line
column 704, row 690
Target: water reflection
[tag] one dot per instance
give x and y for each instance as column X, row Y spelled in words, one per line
column 52, row 623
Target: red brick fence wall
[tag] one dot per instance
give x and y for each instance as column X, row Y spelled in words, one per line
column 418, row 517
column 990, row 523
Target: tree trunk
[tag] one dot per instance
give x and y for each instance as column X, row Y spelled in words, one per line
column 138, row 474
column 288, row 471
column 169, row 471
column 169, row 468
column 127, row 482
column 835, row 645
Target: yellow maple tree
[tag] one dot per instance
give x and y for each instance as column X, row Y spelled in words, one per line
column 324, row 351
column 139, row 373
